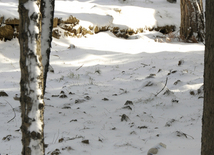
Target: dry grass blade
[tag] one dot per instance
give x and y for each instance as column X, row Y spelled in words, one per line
column 13, row 112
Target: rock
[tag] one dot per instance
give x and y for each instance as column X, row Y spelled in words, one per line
column 169, row 123
column 142, row 127
column 139, row 30
column 56, row 152
column 55, row 22
column 122, row 33
column 79, row 30
column 124, row 117
column 13, row 21
column 200, row 91
column 176, row 82
column 50, row 69
column 165, row 29
column 96, row 29
column 55, row 96
column 87, row 97
column 105, row 99
column 1, row 20
column 86, row 141
column 127, row 107
column 55, row 34
column 66, row 107
column 85, row 31
column 71, row 20
column 63, row 96
column 131, row 31
column 171, row 1
column 79, row 101
column 16, row 97
column 180, row 62
column 129, row 103
column 115, row 30
column 68, row 27
column 154, row 150
column 2, row 93
column 105, row 28
column 151, row 76
column 6, row 32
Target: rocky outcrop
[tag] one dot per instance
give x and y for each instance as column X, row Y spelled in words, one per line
column 71, row 20
column 1, row 20
column 9, row 29
column 165, row 29
column 13, row 21
column 6, row 32
column 55, row 22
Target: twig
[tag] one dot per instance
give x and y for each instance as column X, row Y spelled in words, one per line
column 79, row 67
column 57, row 136
column 179, row 134
column 13, row 112
column 163, row 87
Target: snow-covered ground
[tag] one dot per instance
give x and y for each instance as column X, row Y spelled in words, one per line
column 110, row 95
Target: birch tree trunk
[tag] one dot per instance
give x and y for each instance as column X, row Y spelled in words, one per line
column 47, row 11
column 32, row 103
column 207, row 146
column 192, row 21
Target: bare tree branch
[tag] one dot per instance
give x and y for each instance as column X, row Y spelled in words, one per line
column 163, row 87
column 13, row 112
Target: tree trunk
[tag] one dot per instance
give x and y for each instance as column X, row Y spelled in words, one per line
column 192, row 21
column 207, row 146
column 32, row 103
column 47, row 11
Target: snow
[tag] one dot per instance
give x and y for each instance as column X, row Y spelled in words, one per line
column 99, row 73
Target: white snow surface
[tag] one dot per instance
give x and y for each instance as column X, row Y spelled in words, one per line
column 100, row 73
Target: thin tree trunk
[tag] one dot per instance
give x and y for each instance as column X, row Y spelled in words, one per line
column 192, row 21
column 32, row 103
column 47, row 10
column 207, row 146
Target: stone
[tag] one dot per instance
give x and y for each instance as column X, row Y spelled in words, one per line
column 55, row 22
column 55, row 34
column 71, row 20
column 166, row 29
column 171, row 1
column 154, row 150
column 6, row 32
column 79, row 30
column 1, row 20
column 96, row 29
column 13, row 21
column 131, row 31
column 2, row 93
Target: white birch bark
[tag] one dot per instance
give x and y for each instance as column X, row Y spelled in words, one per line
column 47, row 10
column 32, row 103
